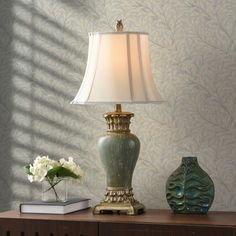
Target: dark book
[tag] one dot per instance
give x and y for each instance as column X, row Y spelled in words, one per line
column 74, row 204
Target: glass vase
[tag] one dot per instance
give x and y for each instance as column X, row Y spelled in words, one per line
column 55, row 190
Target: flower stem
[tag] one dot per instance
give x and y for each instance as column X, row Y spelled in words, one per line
column 52, row 186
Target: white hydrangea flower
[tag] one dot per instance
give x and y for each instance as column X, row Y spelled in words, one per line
column 31, row 178
column 40, row 168
column 42, row 164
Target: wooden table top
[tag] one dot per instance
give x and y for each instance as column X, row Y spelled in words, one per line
column 154, row 216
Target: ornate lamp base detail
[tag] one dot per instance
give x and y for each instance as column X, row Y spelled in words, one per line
column 121, row 201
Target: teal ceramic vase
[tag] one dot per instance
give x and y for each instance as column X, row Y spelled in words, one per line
column 189, row 189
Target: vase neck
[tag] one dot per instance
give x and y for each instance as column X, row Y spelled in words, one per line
column 189, row 160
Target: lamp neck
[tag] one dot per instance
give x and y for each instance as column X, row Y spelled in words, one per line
column 118, row 121
column 118, row 108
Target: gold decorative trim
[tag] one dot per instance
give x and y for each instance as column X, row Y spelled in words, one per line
column 119, row 200
column 117, row 195
column 118, row 120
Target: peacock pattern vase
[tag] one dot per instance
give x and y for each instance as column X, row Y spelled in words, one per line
column 189, row 189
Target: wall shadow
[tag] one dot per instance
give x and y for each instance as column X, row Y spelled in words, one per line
column 40, row 60
column 6, row 54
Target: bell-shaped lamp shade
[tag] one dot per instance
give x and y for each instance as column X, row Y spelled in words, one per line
column 118, row 70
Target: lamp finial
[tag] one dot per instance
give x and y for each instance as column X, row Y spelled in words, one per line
column 119, row 26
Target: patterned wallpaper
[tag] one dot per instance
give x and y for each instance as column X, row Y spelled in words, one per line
column 43, row 51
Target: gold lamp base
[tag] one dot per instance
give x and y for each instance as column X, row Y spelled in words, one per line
column 119, row 200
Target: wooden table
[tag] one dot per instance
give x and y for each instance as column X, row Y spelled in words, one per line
column 84, row 223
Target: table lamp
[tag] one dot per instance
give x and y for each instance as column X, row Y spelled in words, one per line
column 118, row 71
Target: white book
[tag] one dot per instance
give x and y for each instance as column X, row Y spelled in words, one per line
column 74, row 204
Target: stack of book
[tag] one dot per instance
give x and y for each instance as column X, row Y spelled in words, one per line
column 74, row 204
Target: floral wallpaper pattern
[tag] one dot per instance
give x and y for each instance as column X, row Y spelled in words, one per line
column 43, row 51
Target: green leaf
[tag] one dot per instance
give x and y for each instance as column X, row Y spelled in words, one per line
column 64, row 172
column 27, row 170
column 53, row 172
column 60, row 171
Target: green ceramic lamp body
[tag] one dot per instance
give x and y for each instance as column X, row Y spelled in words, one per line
column 189, row 189
column 119, row 151
column 119, row 154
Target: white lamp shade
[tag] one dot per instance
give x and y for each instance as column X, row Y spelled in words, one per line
column 118, row 70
